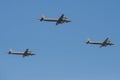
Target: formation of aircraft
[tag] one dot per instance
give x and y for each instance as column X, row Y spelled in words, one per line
column 27, row 52
column 105, row 43
column 59, row 20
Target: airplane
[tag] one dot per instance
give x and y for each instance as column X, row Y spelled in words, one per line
column 59, row 20
column 24, row 54
column 105, row 43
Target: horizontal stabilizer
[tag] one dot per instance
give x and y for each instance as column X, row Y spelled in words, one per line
column 10, row 51
column 42, row 18
column 88, row 41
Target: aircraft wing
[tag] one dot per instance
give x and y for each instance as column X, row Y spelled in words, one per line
column 105, row 41
column 26, row 52
column 60, row 19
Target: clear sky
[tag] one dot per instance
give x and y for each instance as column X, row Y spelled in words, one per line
column 61, row 51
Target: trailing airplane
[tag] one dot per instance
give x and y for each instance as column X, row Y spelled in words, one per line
column 26, row 53
column 59, row 20
column 105, row 43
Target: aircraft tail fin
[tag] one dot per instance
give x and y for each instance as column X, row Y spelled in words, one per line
column 88, row 41
column 42, row 17
column 10, row 51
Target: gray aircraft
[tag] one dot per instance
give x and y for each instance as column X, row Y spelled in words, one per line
column 59, row 20
column 105, row 43
column 26, row 53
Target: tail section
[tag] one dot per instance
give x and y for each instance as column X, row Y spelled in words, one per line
column 88, row 41
column 10, row 51
column 42, row 18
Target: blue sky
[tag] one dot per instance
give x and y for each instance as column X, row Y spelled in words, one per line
column 61, row 52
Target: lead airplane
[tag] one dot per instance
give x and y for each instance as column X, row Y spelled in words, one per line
column 59, row 20
column 27, row 52
column 105, row 43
